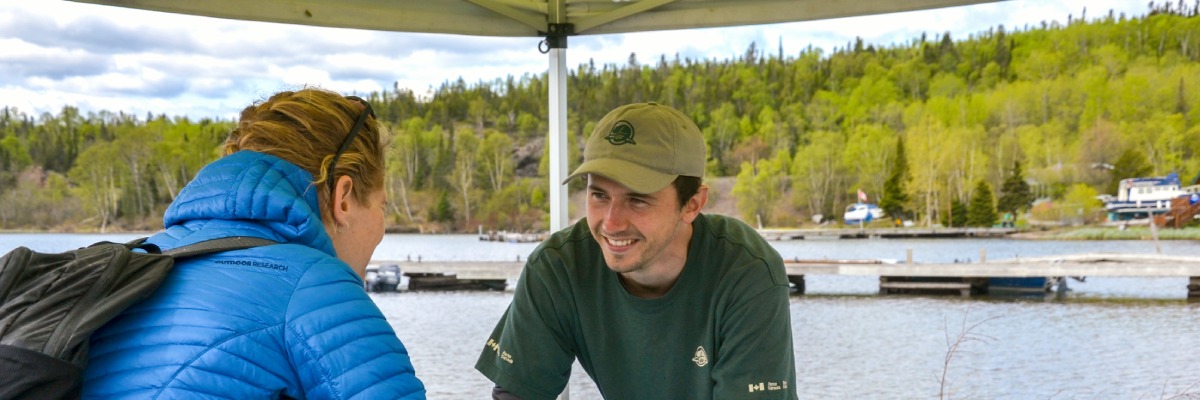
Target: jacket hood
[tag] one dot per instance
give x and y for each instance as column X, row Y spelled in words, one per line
column 247, row 194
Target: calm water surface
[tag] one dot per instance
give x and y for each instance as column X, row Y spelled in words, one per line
column 1110, row 338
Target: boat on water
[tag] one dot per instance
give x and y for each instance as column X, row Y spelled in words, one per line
column 1145, row 197
column 858, row 213
column 385, row 278
column 1027, row 285
column 512, row 237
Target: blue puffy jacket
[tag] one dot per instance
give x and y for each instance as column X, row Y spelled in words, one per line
column 283, row 320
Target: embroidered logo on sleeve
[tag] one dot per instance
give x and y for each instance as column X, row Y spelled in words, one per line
column 701, row 357
column 771, row 386
column 495, row 346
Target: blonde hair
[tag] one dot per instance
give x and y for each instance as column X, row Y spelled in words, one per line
column 306, row 127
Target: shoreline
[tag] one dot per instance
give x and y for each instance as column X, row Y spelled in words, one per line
column 1115, row 233
column 1079, row 233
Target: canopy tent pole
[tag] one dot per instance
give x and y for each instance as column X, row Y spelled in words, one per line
column 556, row 40
column 558, row 148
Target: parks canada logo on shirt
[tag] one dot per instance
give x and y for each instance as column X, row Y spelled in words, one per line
column 701, row 357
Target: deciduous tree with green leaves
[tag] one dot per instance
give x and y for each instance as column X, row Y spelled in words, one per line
column 100, row 180
column 816, row 173
column 462, row 178
column 758, row 187
column 1131, row 164
column 1080, row 203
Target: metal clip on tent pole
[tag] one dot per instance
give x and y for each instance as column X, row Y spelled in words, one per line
column 556, row 38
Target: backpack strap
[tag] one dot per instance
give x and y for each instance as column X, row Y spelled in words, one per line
column 218, row 245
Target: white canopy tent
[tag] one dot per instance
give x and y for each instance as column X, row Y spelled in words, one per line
column 553, row 19
column 532, row 18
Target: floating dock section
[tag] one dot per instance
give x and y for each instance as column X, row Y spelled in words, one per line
column 882, row 233
column 512, row 237
column 428, row 281
column 1049, row 273
column 964, row 279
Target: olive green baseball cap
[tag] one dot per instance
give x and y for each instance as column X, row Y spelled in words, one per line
column 644, row 146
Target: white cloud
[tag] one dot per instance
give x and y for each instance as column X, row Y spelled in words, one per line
column 93, row 57
column 211, row 87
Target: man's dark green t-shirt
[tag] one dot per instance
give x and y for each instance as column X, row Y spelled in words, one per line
column 723, row 331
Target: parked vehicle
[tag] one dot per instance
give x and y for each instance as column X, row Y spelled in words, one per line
column 861, row 212
column 385, row 278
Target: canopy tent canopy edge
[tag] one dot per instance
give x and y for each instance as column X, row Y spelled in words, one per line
column 531, row 18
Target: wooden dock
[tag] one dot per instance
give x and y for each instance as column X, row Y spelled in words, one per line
column 951, row 277
column 1093, row 264
column 512, row 237
column 882, row 233
column 481, row 270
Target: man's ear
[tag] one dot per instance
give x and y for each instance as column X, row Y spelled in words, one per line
column 339, row 205
column 692, row 208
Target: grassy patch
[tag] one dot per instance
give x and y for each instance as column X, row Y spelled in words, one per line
column 1133, row 233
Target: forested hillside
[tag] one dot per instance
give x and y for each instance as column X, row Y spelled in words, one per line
column 1068, row 109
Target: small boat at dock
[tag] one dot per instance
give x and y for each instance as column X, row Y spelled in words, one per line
column 511, row 237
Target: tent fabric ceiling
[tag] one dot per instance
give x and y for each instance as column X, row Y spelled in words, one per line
column 531, row 18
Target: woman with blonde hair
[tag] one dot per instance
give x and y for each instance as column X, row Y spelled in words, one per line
column 305, row 169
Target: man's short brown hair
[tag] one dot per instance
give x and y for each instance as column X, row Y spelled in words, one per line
column 686, row 187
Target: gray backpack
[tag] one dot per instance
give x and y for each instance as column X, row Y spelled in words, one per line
column 50, row 303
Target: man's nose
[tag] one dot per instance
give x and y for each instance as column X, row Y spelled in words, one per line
column 615, row 219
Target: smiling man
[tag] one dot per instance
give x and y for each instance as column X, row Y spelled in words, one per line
column 655, row 299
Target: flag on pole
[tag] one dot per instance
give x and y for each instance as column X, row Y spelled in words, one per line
column 862, row 196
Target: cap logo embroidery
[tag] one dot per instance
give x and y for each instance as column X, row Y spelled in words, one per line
column 620, row 134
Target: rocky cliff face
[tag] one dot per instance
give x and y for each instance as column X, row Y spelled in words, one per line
column 528, row 156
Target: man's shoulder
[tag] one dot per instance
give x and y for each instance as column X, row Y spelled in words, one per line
column 735, row 234
column 724, row 223
column 572, row 242
column 740, row 249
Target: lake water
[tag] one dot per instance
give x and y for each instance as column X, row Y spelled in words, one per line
column 1110, row 338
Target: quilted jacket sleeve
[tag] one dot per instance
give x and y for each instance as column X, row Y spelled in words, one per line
column 340, row 343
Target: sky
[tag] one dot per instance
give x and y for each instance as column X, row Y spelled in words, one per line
column 55, row 53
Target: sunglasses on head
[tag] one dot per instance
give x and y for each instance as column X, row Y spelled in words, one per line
column 358, row 124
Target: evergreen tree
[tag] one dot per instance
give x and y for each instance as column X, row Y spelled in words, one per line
column 894, row 195
column 958, row 213
column 982, row 211
column 1016, row 195
column 443, row 211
